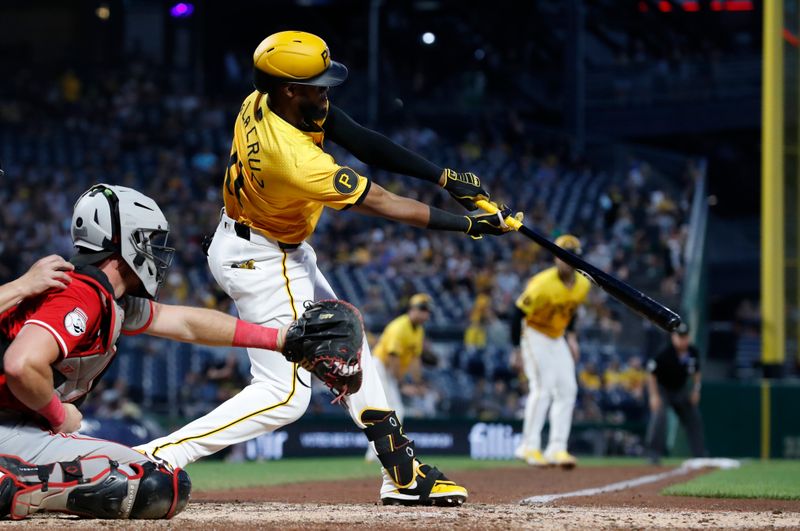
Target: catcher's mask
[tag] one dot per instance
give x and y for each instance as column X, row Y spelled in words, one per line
column 109, row 220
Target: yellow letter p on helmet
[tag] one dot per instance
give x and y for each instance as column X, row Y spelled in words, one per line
column 295, row 57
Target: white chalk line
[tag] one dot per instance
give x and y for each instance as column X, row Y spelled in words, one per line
column 612, row 487
column 687, row 466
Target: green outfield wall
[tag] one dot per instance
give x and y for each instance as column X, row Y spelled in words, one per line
column 759, row 419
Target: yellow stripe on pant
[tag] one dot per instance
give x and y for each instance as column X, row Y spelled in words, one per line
column 261, row 411
column 237, row 421
column 289, row 291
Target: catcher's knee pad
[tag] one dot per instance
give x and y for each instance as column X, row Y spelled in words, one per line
column 95, row 487
column 395, row 450
column 162, row 493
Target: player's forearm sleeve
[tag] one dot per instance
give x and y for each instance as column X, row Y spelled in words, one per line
column 441, row 220
column 375, row 149
column 516, row 325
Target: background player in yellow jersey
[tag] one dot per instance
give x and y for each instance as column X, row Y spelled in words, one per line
column 399, row 349
column 398, row 352
column 544, row 313
column 278, row 181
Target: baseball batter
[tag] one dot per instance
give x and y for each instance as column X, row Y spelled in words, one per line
column 277, row 184
column 547, row 307
column 55, row 345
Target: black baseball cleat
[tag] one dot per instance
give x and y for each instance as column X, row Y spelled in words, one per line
column 430, row 487
column 8, row 487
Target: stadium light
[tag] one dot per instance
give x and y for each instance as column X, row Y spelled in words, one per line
column 181, row 10
column 103, row 12
column 428, row 38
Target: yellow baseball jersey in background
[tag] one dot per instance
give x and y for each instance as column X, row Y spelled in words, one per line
column 548, row 304
column 401, row 338
column 279, row 179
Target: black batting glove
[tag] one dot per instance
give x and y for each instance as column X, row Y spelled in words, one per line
column 493, row 224
column 464, row 187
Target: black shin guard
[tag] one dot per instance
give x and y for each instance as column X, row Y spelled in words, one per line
column 395, row 450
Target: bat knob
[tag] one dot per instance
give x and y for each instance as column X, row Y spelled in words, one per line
column 673, row 323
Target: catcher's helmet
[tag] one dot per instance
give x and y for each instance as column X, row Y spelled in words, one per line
column 109, row 220
column 295, row 57
column 569, row 242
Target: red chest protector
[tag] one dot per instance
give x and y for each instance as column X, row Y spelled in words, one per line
column 76, row 374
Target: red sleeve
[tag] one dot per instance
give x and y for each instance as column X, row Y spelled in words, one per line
column 72, row 316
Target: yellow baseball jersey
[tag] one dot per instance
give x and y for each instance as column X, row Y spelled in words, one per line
column 402, row 340
column 279, row 179
column 548, row 304
column 590, row 380
column 633, row 379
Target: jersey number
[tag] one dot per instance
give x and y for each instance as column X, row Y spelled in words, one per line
column 234, row 176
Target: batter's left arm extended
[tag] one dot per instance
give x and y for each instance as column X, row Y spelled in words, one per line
column 381, row 202
column 377, row 150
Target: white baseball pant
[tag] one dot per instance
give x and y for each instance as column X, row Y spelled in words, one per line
column 392, row 389
column 272, row 294
column 550, row 370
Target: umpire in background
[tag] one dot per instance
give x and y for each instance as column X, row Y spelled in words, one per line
column 674, row 380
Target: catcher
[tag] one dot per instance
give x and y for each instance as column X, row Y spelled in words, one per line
column 55, row 345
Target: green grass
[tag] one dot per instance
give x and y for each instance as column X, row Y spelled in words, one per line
column 755, row 479
column 218, row 475
column 776, row 480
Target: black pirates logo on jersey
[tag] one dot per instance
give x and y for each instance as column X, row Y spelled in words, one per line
column 345, row 181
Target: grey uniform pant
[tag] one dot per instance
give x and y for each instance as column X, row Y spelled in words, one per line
column 29, row 442
column 689, row 416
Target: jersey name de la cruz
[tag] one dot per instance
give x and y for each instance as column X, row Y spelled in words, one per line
column 279, row 179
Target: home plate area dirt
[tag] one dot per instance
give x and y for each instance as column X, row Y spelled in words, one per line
column 493, row 504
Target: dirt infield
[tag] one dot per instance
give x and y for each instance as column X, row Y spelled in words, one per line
column 510, row 485
column 494, row 504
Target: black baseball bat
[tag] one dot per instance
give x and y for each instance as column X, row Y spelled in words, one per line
column 622, row 291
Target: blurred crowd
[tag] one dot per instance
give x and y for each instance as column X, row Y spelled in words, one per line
column 125, row 126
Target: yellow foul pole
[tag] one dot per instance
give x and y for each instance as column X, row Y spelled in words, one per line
column 773, row 323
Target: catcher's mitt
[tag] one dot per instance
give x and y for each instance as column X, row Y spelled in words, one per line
column 326, row 341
